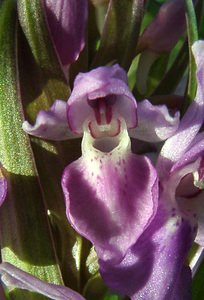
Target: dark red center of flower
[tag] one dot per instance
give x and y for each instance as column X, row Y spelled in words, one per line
column 103, row 109
column 105, row 124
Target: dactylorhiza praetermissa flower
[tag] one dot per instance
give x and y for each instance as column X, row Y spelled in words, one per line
column 141, row 234
column 117, row 188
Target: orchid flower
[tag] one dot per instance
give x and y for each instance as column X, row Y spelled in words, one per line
column 116, row 186
column 139, row 216
column 102, row 107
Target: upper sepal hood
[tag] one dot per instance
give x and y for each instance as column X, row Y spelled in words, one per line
column 108, row 84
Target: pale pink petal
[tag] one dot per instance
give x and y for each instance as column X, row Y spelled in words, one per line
column 51, row 124
column 14, row 277
column 155, row 123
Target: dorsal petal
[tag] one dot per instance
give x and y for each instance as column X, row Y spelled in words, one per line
column 51, row 124
column 100, row 83
column 111, row 194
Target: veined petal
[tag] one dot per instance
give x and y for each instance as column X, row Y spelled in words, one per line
column 100, row 83
column 179, row 143
column 14, row 277
column 67, row 23
column 3, row 187
column 51, row 124
column 111, row 194
column 195, row 151
column 155, row 124
column 154, row 267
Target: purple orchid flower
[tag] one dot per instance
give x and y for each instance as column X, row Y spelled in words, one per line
column 118, row 195
column 116, row 186
column 102, row 107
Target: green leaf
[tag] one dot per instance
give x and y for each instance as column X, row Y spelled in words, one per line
column 34, row 25
column 25, row 242
column 175, row 72
column 192, row 32
column 120, row 33
column 198, row 284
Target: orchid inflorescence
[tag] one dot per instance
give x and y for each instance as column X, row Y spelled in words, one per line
column 134, row 196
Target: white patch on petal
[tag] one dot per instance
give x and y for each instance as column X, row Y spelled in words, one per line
column 199, row 183
column 101, row 153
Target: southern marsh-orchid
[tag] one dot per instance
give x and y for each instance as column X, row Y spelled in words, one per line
column 117, row 206
column 134, row 196
column 110, row 177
